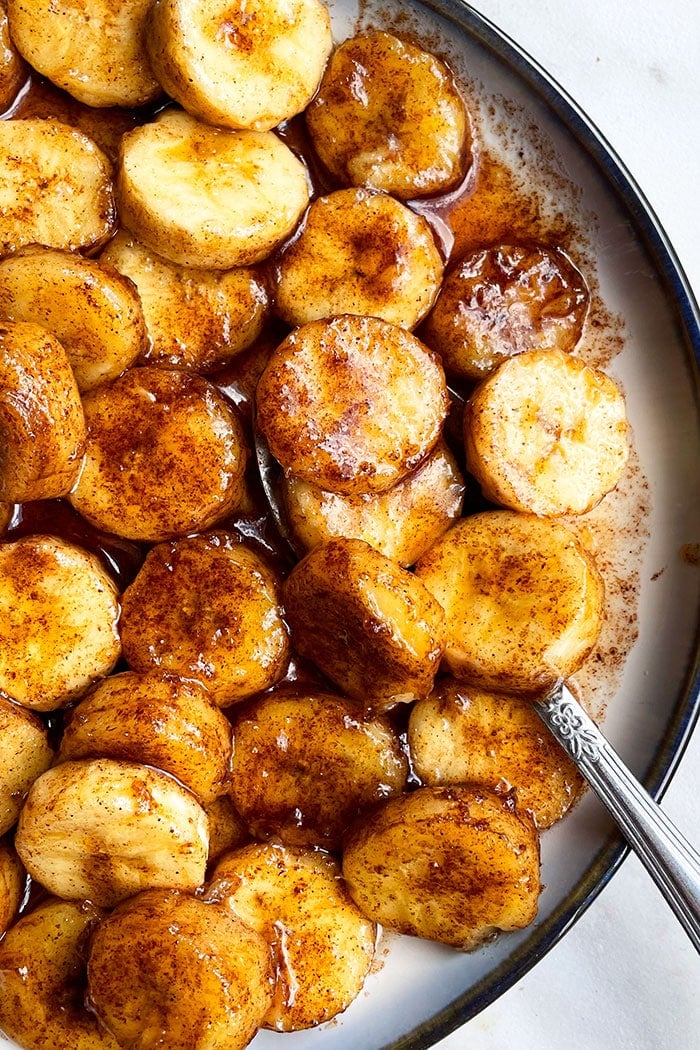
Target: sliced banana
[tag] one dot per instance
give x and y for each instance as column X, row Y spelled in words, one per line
column 167, row 969
column 195, row 319
column 547, row 433
column 251, row 64
column 351, row 404
column 12, row 887
column 102, row 830
column 207, row 197
column 450, row 864
column 55, row 187
column 42, row 426
column 322, row 944
column 389, row 115
column 12, row 69
column 359, row 252
column 25, row 753
column 93, row 311
column 522, row 597
column 370, row 626
column 165, row 455
column 207, row 607
column 52, row 583
column 226, row 828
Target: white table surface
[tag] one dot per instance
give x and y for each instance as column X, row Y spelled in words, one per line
column 626, row 976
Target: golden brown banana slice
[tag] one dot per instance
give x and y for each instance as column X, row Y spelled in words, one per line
column 158, row 719
column 372, row 627
column 462, row 734
column 547, row 433
column 500, row 301
column 167, row 969
column 322, row 944
column 42, row 427
column 359, row 252
column 523, row 600
column 55, row 187
column 12, row 886
column 306, row 762
column 450, row 864
column 102, row 830
column 25, row 753
column 251, row 64
column 165, row 455
column 195, row 319
column 351, row 404
column 207, row 607
column 93, row 311
column 207, row 197
column 59, row 612
column 389, row 115
column 401, row 522
column 12, row 69
column 43, row 979
column 226, row 828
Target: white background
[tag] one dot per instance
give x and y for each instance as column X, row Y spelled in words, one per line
column 626, row 976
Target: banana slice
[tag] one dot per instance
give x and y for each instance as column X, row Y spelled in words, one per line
column 158, row 719
column 389, row 115
column 12, row 887
column 196, row 319
column 103, row 830
column 207, row 197
column 359, row 252
column 207, row 607
column 401, row 523
column 49, row 582
column 93, row 49
column 546, row 433
column 169, row 970
column 226, row 828
column 42, row 978
column 307, row 762
column 251, row 64
column 461, row 734
column 165, row 455
column 94, row 312
column 322, row 944
column 351, row 404
column 370, row 626
column 522, row 597
column 55, row 187
column 25, row 754
column 449, row 864
column 500, row 301
column 12, row 69
column 42, row 427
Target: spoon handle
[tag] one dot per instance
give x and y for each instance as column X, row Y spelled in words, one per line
column 668, row 857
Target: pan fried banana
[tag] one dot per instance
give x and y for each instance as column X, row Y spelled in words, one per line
column 25, row 754
column 12, row 68
column 12, row 886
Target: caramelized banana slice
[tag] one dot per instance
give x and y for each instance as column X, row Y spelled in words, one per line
column 359, row 252
column 206, row 197
column 165, row 455
column 498, row 302
column 251, row 64
column 12, row 69
column 522, row 597
column 166, row 969
column 388, row 115
column 42, row 427
column 12, row 887
column 42, row 979
column 226, row 828
column 102, row 830
column 207, row 607
column 24, row 754
column 460, row 734
column 454, row 865
column 546, row 433
column 64, row 589
column 55, row 187
column 195, row 319
column 94, row 312
column 351, row 404
column 372, row 627
column 307, row 762
column 322, row 944
column 158, row 719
